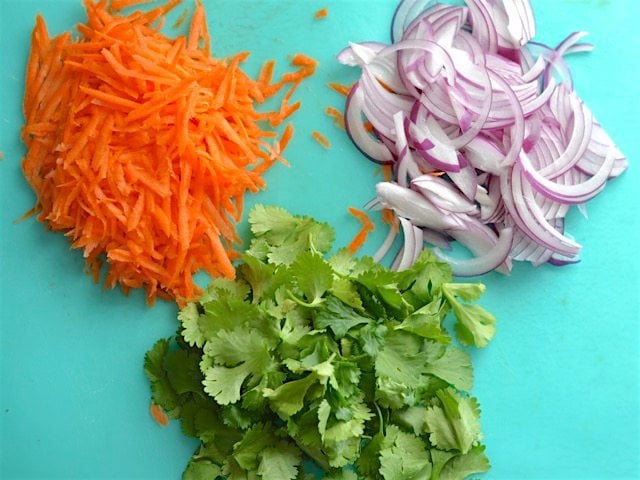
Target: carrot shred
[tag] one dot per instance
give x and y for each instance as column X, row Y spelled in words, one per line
column 322, row 13
column 302, row 60
column 321, row 139
column 180, row 20
column 337, row 116
column 367, row 227
column 340, row 88
column 141, row 147
column 159, row 415
column 387, row 173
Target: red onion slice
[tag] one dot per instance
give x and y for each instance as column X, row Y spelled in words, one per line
column 356, row 130
column 485, row 263
column 483, row 130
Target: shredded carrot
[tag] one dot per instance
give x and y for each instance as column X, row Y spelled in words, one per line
column 122, row 4
column 368, row 126
column 302, row 60
column 321, row 139
column 158, row 415
column 29, row 213
column 180, row 20
column 337, row 116
column 141, row 147
column 340, row 88
column 322, row 13
column 361, row 236
column 390, row 218
column 387, row 173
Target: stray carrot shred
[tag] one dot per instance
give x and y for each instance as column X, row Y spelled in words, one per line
column 368, row 126
column 337, row 116
column 180, row 20
column 387, row 173
column 390, row 218
column 322, row 13
column 141, row 147
column 159, row 415
column 340, row 88
column 361, row 236
column 302, row 60
column 321, row 139
column 29, row 213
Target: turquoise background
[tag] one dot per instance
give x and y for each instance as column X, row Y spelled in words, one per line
column 559, row 385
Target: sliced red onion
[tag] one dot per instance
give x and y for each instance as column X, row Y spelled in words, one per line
column 407, row 10
column 413, row 206
column 412, row 247
column 485, row 263
column 386, row 245
column 436, row 239
column 483, row 130
column 444, row 195
column 573, row 194
column 356, row 130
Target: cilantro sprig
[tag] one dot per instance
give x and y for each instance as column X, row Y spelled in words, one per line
column 336, row 360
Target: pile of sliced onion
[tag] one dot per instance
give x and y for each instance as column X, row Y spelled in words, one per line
column 489, row 144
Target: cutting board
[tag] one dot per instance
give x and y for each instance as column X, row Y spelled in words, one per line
column 559, row 385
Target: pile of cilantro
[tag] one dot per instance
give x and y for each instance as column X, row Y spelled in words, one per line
column 335, row 361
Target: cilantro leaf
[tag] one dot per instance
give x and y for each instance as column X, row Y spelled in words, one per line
column 454, row 424
column 279, row 463
column 369, row 462
column 154, row 366
column 247, row 350
column 427, row 322
column 288, row 398
column 454, row 367
column 337, row 316
column 313, row 276
column 475, row 325
column 344, row 290
column 403, row 456
column 189, row 317
column 461, row 466
column 342, row 262
column 287, row 235
column 201, row 470
column 399, row 367
column 183, row 371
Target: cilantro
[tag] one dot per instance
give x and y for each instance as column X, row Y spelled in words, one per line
column 338, row 361
column 475, row 325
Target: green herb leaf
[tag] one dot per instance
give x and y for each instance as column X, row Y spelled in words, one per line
column 341, row 362
column 475, row 325
column 313, row 276
column 454, row 424
column 337, row 316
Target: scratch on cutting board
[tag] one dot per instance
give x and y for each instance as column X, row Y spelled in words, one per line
column 597, row 3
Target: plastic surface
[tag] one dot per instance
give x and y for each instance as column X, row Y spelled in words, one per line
column 558, row 386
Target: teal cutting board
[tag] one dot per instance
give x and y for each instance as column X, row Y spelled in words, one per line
column 559, row 385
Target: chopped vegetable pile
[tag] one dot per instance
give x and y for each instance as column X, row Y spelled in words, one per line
column 490, row 144
column 333, row 359
column 141, row 147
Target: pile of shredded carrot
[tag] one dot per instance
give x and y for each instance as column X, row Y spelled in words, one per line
column 141, row 147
